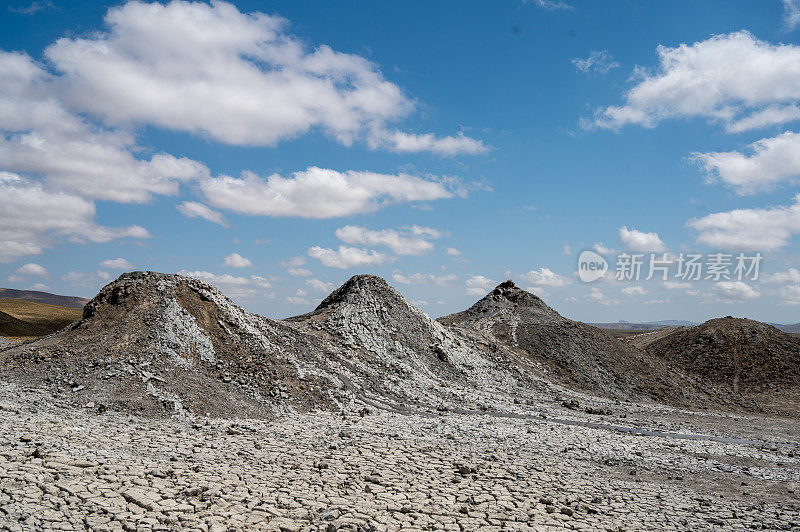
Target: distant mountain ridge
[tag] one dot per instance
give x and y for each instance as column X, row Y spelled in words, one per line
column 792, row 328
column 43, row 297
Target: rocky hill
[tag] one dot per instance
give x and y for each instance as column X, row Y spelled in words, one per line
column 745, row 355
column 158, row 343
column 169, row 344
column 575, row 354
column 390, row 348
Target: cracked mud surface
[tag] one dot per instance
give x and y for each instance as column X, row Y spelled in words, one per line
column 67, row 468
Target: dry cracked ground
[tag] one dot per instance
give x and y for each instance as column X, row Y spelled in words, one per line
column 74, row 469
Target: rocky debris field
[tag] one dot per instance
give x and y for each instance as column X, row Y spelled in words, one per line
column 80, row 468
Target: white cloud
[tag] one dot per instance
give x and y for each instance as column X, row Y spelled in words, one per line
column 346, row 256
column 234, row 260
column 453, row 252
column 294, row 267
column 236, row 77
column 319, row 193
column 791, row 13
column 38, row 135
column 598, row 296
column 656, row 301
column 297, row 300
column 598, row 64
column 634, row 290
column 478, row 285
column 32, row 8
column 772, row 161
column 749, row 229
column 39, row 286
column 768, row 116
column 732, row 78
column 237, row 287
column 567, row 249
column 87, row 279
column 402, row 142
column 33, row 269
column 423, row 278
column 193, row 209
column 736, row 290
column 545, row 277
column 640, row 241
column 408, row 241
column 601, row 249
column 790, row 295
column 792, row 275
column 676, row 285
column 118, row 264
column 320, row 286
column 552, row 5
column 24, row 230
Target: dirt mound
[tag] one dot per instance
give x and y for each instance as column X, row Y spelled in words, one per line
column 578, row 355
column 11, row 326
column 391, row 347
column 745, row 355
column 159, row 343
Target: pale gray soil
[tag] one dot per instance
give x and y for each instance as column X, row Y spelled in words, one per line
column 68, row 468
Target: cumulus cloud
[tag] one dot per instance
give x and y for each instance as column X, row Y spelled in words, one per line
column 234, row 260
column 423, row 278
column 634, row 290
column 33, row 269
column 26, row 230
column 453, row 252
column 40, row 136
column 734, row 79
column 478, row 285
column 640, row 241
column 790, row 295
column 598, row 64
column 736, row 290
column 87, row 279
column 320, row 286
column 407, row 241
column 749, row 229
column 346, row 256
column 237, row 287
column 545, row 277
column 319, row 193
column 597, row 296
column 401, row 142
column 294, row 266
column 792, row 275
column 236, row 77
column 601, row 249
column 117, row 264
column 193, row 209
column 771, row 161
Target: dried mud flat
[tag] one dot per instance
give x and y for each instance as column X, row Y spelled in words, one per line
column 67, row 468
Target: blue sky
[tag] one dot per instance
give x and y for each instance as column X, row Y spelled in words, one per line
column 275, row 149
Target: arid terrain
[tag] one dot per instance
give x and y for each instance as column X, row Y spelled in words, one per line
column 166, row 406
